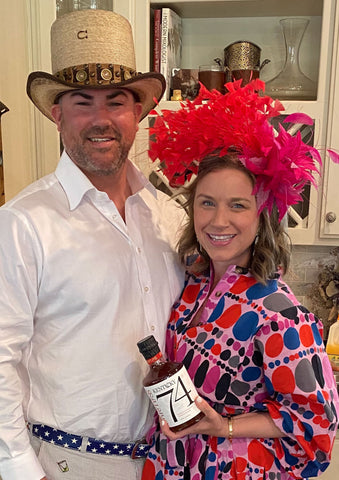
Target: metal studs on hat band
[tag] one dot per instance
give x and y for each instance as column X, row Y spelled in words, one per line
column 81, row 76
column 96, row 74
column 106, row 74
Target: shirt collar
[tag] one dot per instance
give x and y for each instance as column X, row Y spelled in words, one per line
column 76, row 184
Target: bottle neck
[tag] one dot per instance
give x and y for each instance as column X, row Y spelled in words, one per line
column 157, row 359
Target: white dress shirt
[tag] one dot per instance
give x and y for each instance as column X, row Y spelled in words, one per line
column 79, row 287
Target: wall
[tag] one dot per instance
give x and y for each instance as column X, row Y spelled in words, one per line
column 308, row 262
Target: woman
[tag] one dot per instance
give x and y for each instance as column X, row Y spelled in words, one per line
column 254, row 353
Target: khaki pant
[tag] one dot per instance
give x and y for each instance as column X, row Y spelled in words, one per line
column 63, row 464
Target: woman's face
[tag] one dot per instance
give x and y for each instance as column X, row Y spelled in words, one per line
column 225, row 218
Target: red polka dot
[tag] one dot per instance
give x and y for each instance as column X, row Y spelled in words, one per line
column 174, row 316
column 258, row 455
column 191, row 332
column 283, row 380
column 208, row 327
column 242, row 284
column 305, row 445
column 229, row 317
column 321, row 442
column 299, row 399
column 324, row 424
column 190, row 293
column 182, row 308
column 274, row 345
column 306, row 336
column 148, row 471
column 317, row 420
column 317, row 408
column 216, row 349
column 326, row 395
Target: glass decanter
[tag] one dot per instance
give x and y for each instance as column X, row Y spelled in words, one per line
column 291, row 83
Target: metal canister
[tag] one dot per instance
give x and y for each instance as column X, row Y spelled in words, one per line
column 242, row 60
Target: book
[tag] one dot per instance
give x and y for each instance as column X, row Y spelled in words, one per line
column 156, row 39
column 171, row 45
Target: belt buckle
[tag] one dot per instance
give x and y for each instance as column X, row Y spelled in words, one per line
column 135, row 448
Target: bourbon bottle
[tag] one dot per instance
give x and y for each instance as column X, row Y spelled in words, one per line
column 169, row 387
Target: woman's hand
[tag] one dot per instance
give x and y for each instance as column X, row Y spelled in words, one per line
column 334, row 366
column 247, row 425
column 212, row 423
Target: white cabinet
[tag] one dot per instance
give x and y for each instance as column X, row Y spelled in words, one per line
column 209, row 26
column 330, row 209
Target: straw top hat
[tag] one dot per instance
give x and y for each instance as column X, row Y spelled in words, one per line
column 92, row 49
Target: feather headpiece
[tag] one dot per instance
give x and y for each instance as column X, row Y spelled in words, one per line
column 214, row 123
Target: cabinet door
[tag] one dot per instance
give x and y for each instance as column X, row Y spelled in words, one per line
column 330, row 206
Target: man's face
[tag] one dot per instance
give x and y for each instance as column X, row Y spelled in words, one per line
column 97, row 127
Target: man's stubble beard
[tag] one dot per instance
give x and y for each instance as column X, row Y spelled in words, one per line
column 89, row 163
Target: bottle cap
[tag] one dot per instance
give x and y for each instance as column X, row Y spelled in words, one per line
column 148, row 347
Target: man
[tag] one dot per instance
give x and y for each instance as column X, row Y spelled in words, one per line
column 87, row 268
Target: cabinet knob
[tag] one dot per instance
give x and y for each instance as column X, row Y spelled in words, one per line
column 330, row 217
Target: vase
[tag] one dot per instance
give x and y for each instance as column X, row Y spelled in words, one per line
column 67, row 6
column 291, row 83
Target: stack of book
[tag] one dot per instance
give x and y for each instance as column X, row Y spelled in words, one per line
column 167, row 44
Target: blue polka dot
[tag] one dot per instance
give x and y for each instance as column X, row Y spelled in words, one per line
column 187, row 311
column 277, row 363
column 291, row 338
column 320, row 397
column 317, row 337
column 212, row 456
column 209, row 344
column 245, row 326
column 312, row 469
column 259, row 291
column 159, row 476
column 286, row 360
column 218, row 310
column 287, row 422
column 308, row 415
column 271, row 365
column 308, row 435
column 269, row 386
column 210, row 472
column 294, row 406
column 251, row 373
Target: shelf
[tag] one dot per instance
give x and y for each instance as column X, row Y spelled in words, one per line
column 242, row 8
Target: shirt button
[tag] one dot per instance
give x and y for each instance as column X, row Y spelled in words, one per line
column 218, row 294
column 146, row 289
column 138, row 250
column 152, row 328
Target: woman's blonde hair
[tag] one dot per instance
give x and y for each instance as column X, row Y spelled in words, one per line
column 271, row 248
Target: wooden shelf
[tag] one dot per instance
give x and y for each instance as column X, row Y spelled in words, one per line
column 242, row 8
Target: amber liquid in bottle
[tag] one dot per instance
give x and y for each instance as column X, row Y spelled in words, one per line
column 169, row 387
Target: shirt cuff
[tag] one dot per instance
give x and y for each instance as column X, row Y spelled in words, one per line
column 24, row 466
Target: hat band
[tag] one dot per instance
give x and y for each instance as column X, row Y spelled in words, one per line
column 91, row 74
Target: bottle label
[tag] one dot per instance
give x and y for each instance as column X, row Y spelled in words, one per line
column 174, row 397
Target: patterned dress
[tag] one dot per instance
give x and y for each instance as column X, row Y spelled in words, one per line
column 257, row 349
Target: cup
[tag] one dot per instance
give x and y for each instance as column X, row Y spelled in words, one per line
column 212, row 76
